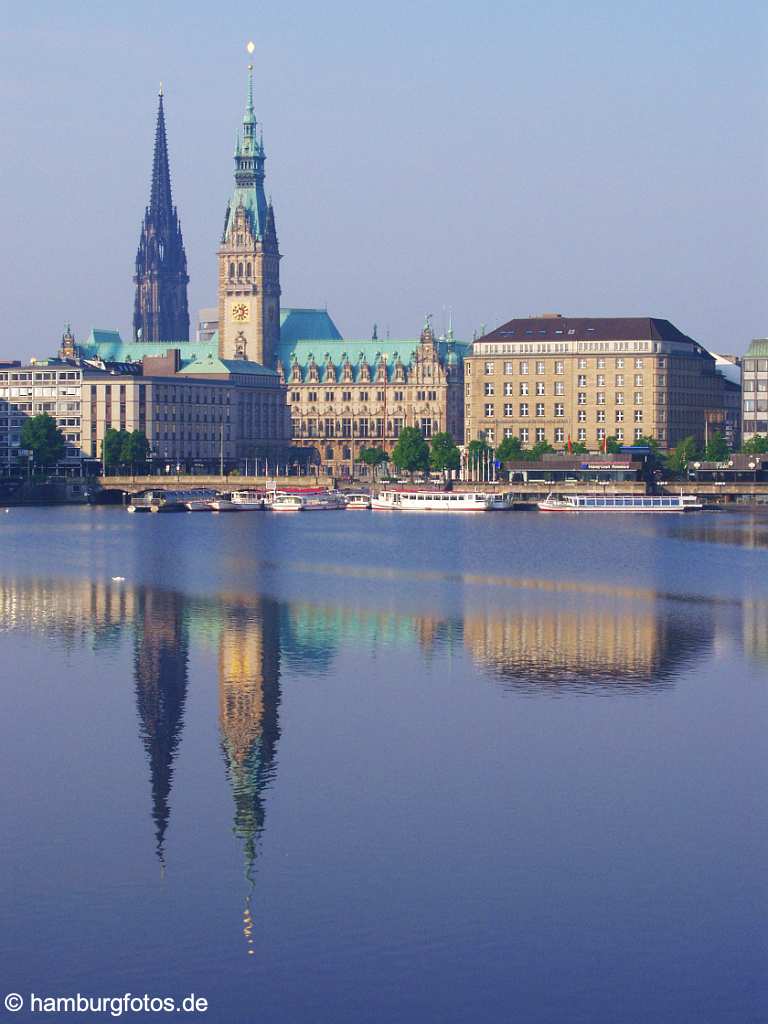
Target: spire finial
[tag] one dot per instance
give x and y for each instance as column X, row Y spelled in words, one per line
column 250, row 48
column 160, row 91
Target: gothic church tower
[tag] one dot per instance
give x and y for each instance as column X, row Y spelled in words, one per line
column 160, row 311
column 249, row 260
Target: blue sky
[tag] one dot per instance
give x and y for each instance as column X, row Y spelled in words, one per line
column 498, row 159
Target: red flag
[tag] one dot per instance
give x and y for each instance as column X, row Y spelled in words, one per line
column 570, row 446
column 605, row 444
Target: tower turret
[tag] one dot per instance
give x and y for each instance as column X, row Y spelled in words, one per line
column 160, row 309
column 249, row 258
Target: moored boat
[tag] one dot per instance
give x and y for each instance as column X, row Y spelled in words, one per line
column 638, row 503
column 356, row 502
column 224, row 503
column 420, row 500
column 248, row 500
column 309, row 500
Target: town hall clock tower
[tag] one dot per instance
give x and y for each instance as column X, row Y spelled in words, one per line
column 249, row 260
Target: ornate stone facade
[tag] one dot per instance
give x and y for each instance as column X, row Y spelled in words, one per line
column 350, row 395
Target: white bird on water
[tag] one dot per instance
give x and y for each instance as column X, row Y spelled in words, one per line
column 118, row 579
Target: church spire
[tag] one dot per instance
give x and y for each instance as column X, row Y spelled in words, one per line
column 160, row 309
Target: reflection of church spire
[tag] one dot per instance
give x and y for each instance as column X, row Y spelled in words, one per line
column 249, row 697
column 160, row 664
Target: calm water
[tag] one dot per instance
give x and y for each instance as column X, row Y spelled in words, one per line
column 361, row 768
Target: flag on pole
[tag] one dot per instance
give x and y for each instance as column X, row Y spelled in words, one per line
column 605, row 444
column 570, row 445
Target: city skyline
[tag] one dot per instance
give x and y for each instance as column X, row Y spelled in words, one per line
column 421, row 131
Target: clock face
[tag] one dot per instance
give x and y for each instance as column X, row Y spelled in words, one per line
column 240, row 312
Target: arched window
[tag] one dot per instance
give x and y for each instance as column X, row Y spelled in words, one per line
column 248, row 270
column 239, row 269
column 231, row 271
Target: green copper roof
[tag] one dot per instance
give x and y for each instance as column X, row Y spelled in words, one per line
column 296, row 324
column 759, row 347
column 213, row 364
column 342, row 349
column 109, row 346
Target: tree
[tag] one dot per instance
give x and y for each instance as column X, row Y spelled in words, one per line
column 444, row 454
column 577, row 448
column 509, row 449
column 539, row 449
column 756, row 445
column 134, row 447
column 44, row 439
column 112, row 447
column 373, row 457
column 612, row 445
column 717, row 449
column 686, row 451
column 411, row 451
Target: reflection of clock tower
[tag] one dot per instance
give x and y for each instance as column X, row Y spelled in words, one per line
column 249, row 261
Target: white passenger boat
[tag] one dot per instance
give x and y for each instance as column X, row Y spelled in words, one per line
column 313, row 500
column 224, row 503
column 356, row 502
column 248, row 500
column 199, row 500
column 404, row 500
column 657, row 503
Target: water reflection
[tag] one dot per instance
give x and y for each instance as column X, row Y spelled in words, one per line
column 549, row 642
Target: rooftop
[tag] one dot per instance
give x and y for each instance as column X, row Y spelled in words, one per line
column 554, row 327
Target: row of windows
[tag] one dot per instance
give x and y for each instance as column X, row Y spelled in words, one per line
column 489, row 388
column 558, row 365
column 362, row 396
column 558, row 436
column 558, row 411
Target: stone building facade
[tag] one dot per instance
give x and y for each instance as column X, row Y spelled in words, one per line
column 754, row 386
column 49, row 386
column 554, row 378
column 348, row 395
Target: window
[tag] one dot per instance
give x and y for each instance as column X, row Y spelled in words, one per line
column 329, row 396
column 524, row 366
column 582, row 364
column 639, row 433
column 488, row 388
column 399, row 395
column 638, row 415
column 601, row 380
column 346, row 427
column 582, row 381
column 539, row 408
column 362, row 427
column 638, row 398
column 582, row 416
column 508, row 388
column 490, row 367
column 312, row 396
column 619, row 382
column 539, row 367
column 600, row 433
column 489, row 409
column 638, row 380
column 661, row 380
column 426, row 426
column 295, row 396
column 559, row 409
column 397, row 426
column 523, row 408
column 490, row 435
column 581, row 434
column 509, row 409
column 559, row 387
column 601, row 363
column 600, row 416
column 509, row 367
column 541, row 435
column 362, row 396
column 581, row 398
column 619, row 398
column 539, row 387
column 619, row 435
column 523, row 387
column 619, row 415
column 559, row 367
column 346, row 396
column 559, row 434
column 524, row 435
column 619, row 364
column 638, row 364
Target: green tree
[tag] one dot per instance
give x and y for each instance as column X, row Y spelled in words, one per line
column 134, row 447
column 444, row 455
column 577, row 448
column 539, row 449
column 756, row 445
column 613, row 445
column 509, row 449
column 373, row 457
column 686, row 451
column 411, row 451
column 112, row 448
column 44, row 439
column 717, row 448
